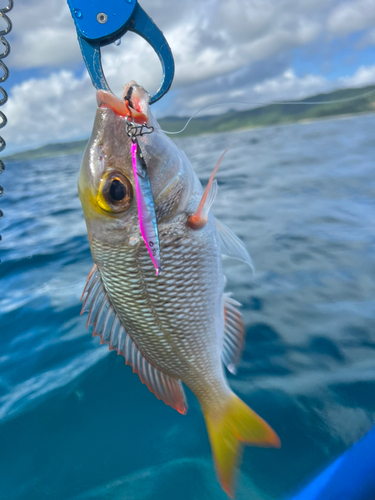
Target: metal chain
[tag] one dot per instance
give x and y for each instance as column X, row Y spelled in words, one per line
column 4, row 95
column 135, row 131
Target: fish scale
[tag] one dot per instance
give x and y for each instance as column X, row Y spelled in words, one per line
column 162, row 314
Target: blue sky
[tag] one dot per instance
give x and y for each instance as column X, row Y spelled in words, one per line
column 336, row 58
column 226, row 51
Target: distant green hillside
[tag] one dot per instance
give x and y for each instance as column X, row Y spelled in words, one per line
column 272, row 114
column 58, row 149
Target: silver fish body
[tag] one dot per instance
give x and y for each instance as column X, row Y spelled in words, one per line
column 175, row 319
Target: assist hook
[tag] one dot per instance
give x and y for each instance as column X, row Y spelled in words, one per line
column 99, row 23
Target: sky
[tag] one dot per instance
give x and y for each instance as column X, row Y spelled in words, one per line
column 226, row 51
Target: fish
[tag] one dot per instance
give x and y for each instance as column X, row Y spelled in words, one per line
column 178, row 327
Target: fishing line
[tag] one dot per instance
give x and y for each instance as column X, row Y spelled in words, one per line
column 335, row 101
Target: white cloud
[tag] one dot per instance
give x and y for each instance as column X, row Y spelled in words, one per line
column 284, row 86
column 207, row 38
column 48, row 46
column 364, row 75
column 352, row 16
column 43, row 35
column 55, row 108
column 236, row 33
column 289, row 86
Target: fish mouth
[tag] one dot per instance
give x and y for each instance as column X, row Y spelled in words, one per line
column 134, row 107
column 137, row 104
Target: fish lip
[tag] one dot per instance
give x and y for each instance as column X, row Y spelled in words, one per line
column 106, row 99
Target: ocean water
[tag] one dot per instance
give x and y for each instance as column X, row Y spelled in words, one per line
column 76, row 423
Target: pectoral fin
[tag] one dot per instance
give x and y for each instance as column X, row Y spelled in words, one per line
column 107, row 325
column 231, row 245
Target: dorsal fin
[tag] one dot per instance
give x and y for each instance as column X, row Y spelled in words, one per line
column 107, row 325
column 234, row 333
column 200, row 217
column 209, row 200
column 231, row 245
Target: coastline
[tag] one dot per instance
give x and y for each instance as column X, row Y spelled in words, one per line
column 232, row 121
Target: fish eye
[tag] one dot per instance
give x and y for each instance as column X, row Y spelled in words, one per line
column 115, row 192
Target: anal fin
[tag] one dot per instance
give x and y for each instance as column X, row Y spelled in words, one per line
column 107, row 326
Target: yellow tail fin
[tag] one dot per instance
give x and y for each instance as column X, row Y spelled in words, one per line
column 235, row 424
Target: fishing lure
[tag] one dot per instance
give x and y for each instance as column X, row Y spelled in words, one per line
column 146, row 207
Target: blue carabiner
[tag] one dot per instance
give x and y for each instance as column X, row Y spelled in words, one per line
column 100, row 23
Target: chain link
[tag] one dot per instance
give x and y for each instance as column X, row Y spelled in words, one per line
column 135, row 131
column 4, row 95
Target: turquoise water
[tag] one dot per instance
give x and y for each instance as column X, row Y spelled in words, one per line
column 76, row 423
